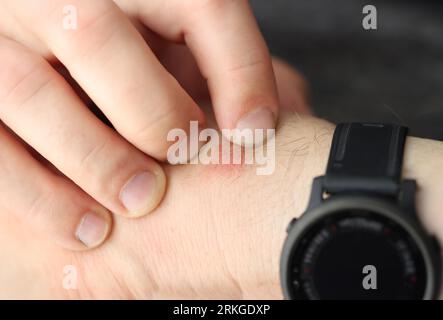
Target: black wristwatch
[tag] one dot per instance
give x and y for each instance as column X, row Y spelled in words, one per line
column 360, row 237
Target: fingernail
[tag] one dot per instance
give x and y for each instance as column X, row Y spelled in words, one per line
column 142, row 193
column 92, row 229
column 260, row 118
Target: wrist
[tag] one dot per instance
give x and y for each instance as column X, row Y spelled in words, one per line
column 422, row 160
column 302, row 148
column 417, row 147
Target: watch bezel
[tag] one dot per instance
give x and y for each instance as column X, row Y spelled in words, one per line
column 378, row 206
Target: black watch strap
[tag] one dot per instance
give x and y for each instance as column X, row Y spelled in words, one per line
column 365, row 157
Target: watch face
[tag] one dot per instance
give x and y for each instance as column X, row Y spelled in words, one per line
column 356, row 254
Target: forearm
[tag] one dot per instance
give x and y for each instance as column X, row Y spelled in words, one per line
column 253, row 214
column 423, row 160
column 220, row 229
column 217, row 233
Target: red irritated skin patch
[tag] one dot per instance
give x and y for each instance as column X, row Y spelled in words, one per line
column 230, row 164
column 225, row 167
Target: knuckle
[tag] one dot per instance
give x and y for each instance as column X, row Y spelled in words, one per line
column 214, row 8
column 151, row 135
column 101, row 166
column 212, row 4
column 22, row 75
column 256, row 61
column 43, row 207
column 96, row 26
column 194, row 11
column 89, row 159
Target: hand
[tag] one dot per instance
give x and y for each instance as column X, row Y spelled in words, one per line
column 140, row 241
column 88, row 168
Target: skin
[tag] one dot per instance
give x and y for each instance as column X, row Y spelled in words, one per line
column 217, row 234
column 122, row 56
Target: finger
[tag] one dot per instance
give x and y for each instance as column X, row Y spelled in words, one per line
column 110, row 60
column 38, row 105
column 231, row 53
column 49, row 203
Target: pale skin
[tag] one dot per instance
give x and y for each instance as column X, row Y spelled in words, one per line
column 121, row 56
column 219, row 231
column 217, row 234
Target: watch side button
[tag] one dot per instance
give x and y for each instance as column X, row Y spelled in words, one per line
column 291, row 224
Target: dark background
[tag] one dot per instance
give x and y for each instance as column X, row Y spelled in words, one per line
column 392, row 74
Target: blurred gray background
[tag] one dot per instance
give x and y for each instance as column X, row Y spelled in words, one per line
column 393, row 74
